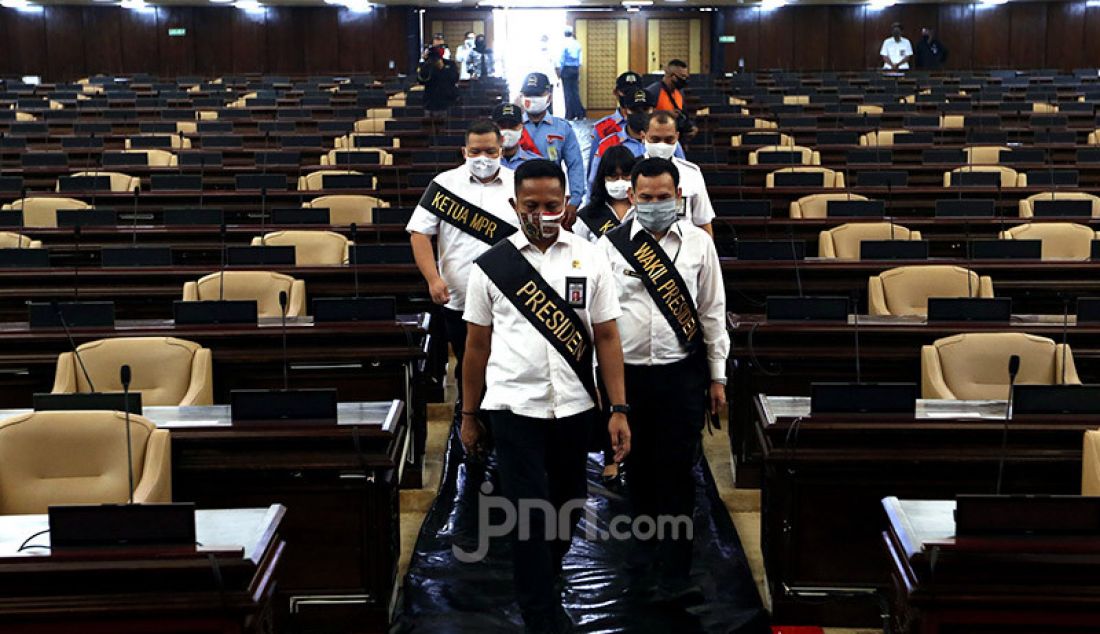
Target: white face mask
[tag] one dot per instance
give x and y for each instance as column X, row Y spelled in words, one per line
column 617, row 188
column 482, row 167
column 659, row 150
column 511, row 137
column 536, row 105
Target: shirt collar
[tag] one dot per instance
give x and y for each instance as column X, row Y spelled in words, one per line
column 520, row 240
column 497, row 180
column 636, row 226
column 548, row 119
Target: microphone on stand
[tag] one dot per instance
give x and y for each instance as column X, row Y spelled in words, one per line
column 1013, row 370
column 72, row 344
column 286, row 361
column 124, row 376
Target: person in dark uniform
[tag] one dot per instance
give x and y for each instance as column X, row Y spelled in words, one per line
column 930, row 52
column 440, row 79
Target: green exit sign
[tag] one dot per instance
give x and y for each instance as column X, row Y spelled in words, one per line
column 727, row 39
column 177, row 32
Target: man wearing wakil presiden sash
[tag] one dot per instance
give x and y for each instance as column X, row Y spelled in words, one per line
column 674, row 349
column 467, row 210
column 539, row 305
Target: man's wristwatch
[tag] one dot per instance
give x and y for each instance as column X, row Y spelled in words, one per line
column 620, row 409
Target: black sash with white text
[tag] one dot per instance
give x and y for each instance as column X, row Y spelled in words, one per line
column 466, row 216
column 599, row 219
column 543, row 307
column 663, row 282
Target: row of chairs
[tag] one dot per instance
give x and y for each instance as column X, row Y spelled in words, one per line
column 816, row 206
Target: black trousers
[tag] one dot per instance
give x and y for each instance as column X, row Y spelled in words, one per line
column 455, row 326
column 667, row 413
column 570, row 83
column 541, row 460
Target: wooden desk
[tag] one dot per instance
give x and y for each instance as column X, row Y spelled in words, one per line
column 1022, row 585
column 821, row 518
column 226, row 586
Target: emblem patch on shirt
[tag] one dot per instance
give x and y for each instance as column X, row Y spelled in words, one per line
column 576, row 291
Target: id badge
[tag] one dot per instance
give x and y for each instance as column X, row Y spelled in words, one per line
column 576, row 291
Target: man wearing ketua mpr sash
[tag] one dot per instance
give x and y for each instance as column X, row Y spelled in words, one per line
column 539, row 306
column 467, row 210
column 675, row 347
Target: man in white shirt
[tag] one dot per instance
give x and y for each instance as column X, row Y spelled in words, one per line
column 675, row 347
column 661, row 139
column 462, row 53
column 467, row 210
column 540, row 305
column 896, row 50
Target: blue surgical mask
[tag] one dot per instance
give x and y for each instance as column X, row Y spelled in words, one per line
column 657, row 216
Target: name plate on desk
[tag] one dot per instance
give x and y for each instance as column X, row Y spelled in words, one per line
column 779, row 157
column 261, row 255
column 915, row 138
column 966, row 208
column 943, row 156
column 77, row 314
column 338, row 309
column 1052, row 178
column 300, row 216
column 837, row 137
column 110, row 401
column 347, row 181
column 380, row 254
column 855, row 208
column 893, row 249
column 135, row 256
column 771, row 249
column 24, row 258
column 1061, row 208
column 315, row 406
column 870, row 157
column 806, row 309
column 1006, row 249
column 993, row 309
column 87, row 218
column 732, row 209
column 193, row 217
column 83, row 526
column 84, row 183
column 1056, row 399
column 212, row 312
column 799, row 179
column 975, row 179
column 893, row 178
column 863, row 398
column 392, row 215
column 1004, row 515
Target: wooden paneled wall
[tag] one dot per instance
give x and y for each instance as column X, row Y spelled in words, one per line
column 65, row 42
column 1063, row 35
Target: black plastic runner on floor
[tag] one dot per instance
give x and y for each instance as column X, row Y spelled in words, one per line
column 444, row 595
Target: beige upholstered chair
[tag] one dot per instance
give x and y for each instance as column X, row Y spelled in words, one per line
column 77, row 457
column 166, row 370
column 157, row 158
column 882, row 138
column 10, row 240
column 25, row 117
column 868, row 108
column 808, row 155
column 119, row 182
column 310, row 247
column 801, row 100
column 261, row 286
column 1061, row 240
column 187, row 127
column 42, row 211
column 178, row 142
column 817, row 205
column 348, row 140
column 1009, row 177
column 370, row 126
column 1027, row 205
column 1090, row 464
column 379, row 113
column 384, row 157
column 985, row 154
column 785, row 140
column 344, row 209
column 314, row 181
column 843, row 241
column 397, row 100
column 952, row 121
column 206, row 115
column 905, row 290
column 1039, row 107
column 833, row 180
column 974, row 366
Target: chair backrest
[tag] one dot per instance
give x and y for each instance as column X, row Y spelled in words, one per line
column 330, row 157
column 42, row 211
column 206, row 115
column 843, row 241
column 785, row 140
column 164, row 369
column 345, row 209
column 119, row 182
column 985, row 154
column 261, row 286
column 315, row 181
column 1090, row 464
column 310, row 247
column 881, row 137
column 187, row 127
column 69, row 457
column 952, row 121
column 832, row 179
column 348, row 140
column 1009, row 176
column 1027, row 205
column 905, row 290
column 178, row 142
column 807, row 155
column 868, row 108
column 11, row 240
column 1060, row 239
column 1044, row 108
column 157, row 158
column 975, row 365
column 373, row 126
column 817, row 205
column 801, row 100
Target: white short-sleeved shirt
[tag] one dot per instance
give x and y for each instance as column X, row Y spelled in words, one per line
column 895, row 51
column 526, row 374
column 458, row 249
column 647, row 338
column 697, row 205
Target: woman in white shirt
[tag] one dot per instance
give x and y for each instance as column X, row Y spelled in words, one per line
column 608, row 204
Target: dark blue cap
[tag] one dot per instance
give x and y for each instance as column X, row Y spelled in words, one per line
column 535, row 84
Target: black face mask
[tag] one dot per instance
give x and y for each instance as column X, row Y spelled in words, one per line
column 636, row 121
column 679, row 82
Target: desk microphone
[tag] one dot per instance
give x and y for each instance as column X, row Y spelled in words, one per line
column 1013, row 370
column 794, row 258
column 72, row 344
column 221, row 273
column 124, row 376
column 286, row 360
column 354, row 259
